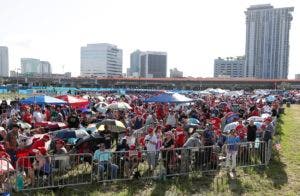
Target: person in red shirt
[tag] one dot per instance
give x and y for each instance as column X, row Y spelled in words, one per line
column 37, row 143
column 241, row 130
column 3, row 154
column 27, row 117
column 180, row 137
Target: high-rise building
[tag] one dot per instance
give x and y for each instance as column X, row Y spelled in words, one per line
column 4, row 61
column 153, row 64
column 175, row 73
column 267, row 41
column 229, row 67
column 101, row 60
column 135, row 63
column 45, row 67
column 35, row 66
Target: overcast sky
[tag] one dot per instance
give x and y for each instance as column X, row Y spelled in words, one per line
column 192, row 32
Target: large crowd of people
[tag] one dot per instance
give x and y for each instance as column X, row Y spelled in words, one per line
column 151, row 130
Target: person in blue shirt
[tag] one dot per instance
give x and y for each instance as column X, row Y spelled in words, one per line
column 103, row 158
column 232, row 142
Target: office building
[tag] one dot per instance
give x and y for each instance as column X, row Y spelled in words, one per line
column 45, row 67
column 30, row 66
column 4, row 61
column 229, row 67
column 175, row 73
column 135, row 63
column 153, row 64
column 267, row 41
column 101, row 60
column 297, row 76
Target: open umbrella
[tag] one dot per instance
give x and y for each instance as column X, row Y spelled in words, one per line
column 230, row 126
column 119, row 106
column 65, row 134
column 74, row 102
column 101, row 107
column 24, row 125
column 270, row 98
column 256, row 118
column 42, row 100
column 169, row 98
column 112, row 125
column 222, row 104
column 231, row 116
column 193, row 121
column 93, row 140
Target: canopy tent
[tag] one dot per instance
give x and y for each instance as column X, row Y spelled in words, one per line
column 42, row 100
column 169, row 98
column 74, row 102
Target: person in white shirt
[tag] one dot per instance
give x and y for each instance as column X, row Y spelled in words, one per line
column 171, row 119
column 150, row 142
column 38, row 116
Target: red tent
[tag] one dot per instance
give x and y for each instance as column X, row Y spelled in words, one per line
column 74, row 102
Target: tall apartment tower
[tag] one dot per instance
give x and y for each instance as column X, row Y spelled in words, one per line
column 4, row 61
column 267, row 41
column 101, row 60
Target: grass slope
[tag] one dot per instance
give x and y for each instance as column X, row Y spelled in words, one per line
column 279, row 178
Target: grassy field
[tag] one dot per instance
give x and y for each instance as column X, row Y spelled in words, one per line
column 279, row 178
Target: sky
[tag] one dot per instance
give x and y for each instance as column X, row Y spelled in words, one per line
column 192, row 32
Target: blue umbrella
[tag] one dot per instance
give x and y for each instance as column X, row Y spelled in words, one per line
column 42, row 100
column 193, row 121
column 169, row 98
column 270, row 98
column 230, row 118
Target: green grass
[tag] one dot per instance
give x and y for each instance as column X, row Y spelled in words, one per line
column 281, row 177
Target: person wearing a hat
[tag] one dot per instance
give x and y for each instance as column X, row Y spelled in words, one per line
column 60, row 147
column 194, row 142
column 103, row 158
column 41, row 165
column 2, row 134
column 232, row 148
column 151, row 142
column 3, row 154
column 180, row 137
column 268, row 129
column 36, row 143
column 12, row 142
column 241, row 130
column 132, row 159
column 167, row 150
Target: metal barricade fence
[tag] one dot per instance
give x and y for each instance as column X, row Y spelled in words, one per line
column 7, row 174
column 251, row 154
column 127, row 165
column 40, row 172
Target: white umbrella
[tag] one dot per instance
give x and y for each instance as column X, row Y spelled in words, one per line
column 119, row 106
column 230, row 126
column 265, row 115
column 101, row 107
column 256, row 118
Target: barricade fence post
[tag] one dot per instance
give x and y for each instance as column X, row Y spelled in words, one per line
column 7, row 173
column 41, row 172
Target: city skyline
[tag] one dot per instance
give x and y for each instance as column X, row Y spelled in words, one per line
column 189, row 38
